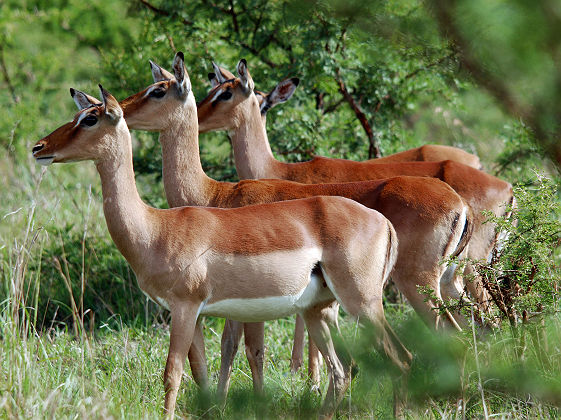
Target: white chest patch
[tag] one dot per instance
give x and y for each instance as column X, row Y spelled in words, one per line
column 272, row 307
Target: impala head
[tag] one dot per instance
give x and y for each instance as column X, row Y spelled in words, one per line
column 281, row 93
column 228, row 100
column 91, row 135
column 155, row 107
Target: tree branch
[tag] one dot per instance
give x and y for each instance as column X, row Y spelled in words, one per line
column 6, row 75
column 319, row 100
column 231, row 12
column 374, row 148
column 373, row 145
column 252, row 50
column 428, row 66
column 333, row 107
column 234, row 17
column 171, row 43
column 163, row 12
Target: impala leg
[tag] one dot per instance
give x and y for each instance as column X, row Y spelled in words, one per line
column 371, row 314
column 482, row 298
column 183, row 322
column 314, row 362
column 297, row 357
column 254, row 349
column 231, row 337
column 402, row 359
column 477, row 290
column 197, row 358
column 365, row 304
column 451, row 288
column 407, row 282
column 321, row 321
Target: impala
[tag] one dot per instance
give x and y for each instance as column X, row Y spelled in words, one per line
column 284, row 91
column 231, row 106
column 251, row 264
column 429, row 229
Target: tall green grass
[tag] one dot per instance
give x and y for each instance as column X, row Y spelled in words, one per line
column 78, row 339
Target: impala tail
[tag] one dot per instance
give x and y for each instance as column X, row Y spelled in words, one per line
column 448, row 282
column 391, row 256
column 466, row 232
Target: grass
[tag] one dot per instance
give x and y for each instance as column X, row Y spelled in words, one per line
column 78, row 339
column 116, row 373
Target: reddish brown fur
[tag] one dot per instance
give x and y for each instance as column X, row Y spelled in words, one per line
column 433, row 153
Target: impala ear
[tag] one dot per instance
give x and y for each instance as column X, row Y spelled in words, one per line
column 180, row 73
column 158, row 73
column 111, row 105
column 245, row 77
column 83, row 100
column 221, row 73
column 213, row 80
column 219, row 77
column 281, row 93
column 261, row 98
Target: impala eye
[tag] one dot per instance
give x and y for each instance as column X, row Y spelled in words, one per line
column 89, row 120
column 158, row 93
column 224, row 96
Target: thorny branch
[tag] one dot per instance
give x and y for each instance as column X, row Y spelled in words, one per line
column 231, row 12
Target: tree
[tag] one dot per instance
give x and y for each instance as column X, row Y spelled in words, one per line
column 361, row 94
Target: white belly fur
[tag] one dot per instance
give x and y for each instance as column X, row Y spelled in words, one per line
column 272, row 307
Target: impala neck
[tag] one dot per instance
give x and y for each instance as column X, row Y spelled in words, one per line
column 252, row 152
column 185, row 182
column 125, row 212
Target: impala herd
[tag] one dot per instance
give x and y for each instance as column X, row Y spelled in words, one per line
column 290, row 238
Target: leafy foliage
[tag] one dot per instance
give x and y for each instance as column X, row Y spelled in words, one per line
column 523, row 278
column 359, row 91
column 511, row 49
column 45, row 46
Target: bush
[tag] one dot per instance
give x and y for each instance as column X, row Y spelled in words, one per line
column 523, row 277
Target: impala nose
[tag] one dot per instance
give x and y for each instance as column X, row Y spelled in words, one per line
column 37, row 147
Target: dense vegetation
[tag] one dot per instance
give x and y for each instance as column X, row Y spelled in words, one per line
column 76, row 334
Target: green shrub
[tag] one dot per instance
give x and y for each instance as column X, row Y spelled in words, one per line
column 523, row 277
